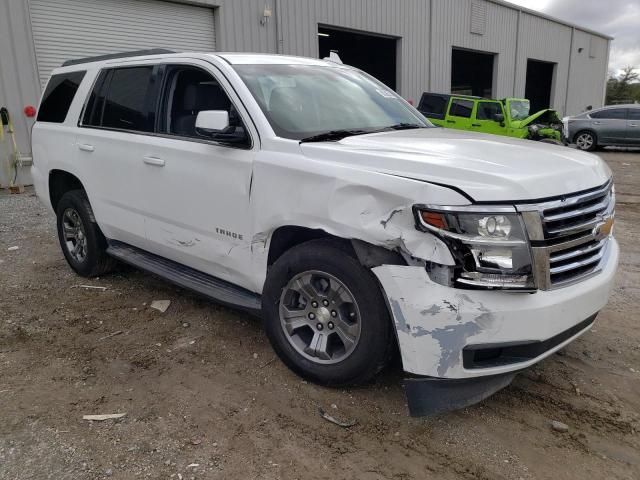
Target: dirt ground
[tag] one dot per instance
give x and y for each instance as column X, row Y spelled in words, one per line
column 205, row 397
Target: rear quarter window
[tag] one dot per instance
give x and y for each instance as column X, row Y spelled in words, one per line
column 433, row 105
column 58, row 96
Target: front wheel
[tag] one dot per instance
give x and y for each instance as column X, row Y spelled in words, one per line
column 586, row 141
column 325, row 315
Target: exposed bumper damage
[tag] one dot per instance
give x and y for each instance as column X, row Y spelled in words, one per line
column 437, row 324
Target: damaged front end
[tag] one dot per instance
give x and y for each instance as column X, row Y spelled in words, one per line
column 466, row 328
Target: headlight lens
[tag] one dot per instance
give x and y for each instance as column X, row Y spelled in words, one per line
column 491, row 247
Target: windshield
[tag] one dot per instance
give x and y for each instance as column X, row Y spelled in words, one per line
column 519, row 109
column 301, row 101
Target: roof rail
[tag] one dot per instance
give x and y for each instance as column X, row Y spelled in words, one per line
column 135, row 53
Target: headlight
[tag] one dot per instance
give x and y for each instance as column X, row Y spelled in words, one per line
column 490, row 244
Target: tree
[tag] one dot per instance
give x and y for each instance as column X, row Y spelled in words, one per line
column 624, row 87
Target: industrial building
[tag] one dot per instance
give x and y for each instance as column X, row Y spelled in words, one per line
column 480, row 47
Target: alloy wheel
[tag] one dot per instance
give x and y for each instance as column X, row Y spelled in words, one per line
column 320, row 317
column 75, row 235
column 584, row 141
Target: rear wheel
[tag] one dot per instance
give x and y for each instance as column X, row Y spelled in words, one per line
column 586, row 141
column 81, row 240
column 325, row 315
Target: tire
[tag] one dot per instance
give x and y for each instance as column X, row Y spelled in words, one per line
column 586, row 141
column 365, row 319
column 83, row 244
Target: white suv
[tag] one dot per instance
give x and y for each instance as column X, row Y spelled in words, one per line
column 308, row 192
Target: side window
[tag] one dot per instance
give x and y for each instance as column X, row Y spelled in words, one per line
column 488, row 110
column 58, row 96
column 610, row 114
column 189, row 90
column 433, row 105
column 634, row 114
column 461, row 108
column 126, row 105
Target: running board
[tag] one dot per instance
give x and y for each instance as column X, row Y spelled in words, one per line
column 186, row 277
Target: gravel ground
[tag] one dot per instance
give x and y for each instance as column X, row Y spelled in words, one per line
column 204, row 396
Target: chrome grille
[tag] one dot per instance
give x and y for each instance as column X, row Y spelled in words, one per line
column 569, row 236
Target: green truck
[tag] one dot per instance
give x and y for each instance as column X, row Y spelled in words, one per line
column 509, row 117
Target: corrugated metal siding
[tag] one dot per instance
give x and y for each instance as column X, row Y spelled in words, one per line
column 451, row 29
column 587, row 74
column 551, row 46
column 67, row 29
column 19, row 85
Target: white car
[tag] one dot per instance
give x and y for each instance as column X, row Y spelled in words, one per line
column 308, row 192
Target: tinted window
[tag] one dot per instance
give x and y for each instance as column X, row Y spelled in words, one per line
column 434, row 104
column 461, row 108
column 488, row 110
column 95, row 105
column 127, row 102
column 634, row 114
column 58, row 96
column 611, row 114
column 188, row 91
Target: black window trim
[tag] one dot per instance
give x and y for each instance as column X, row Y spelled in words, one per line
column 157, row 69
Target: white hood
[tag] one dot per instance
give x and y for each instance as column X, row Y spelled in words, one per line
column 486, row 167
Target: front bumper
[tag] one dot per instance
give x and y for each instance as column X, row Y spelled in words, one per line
column 437, row 326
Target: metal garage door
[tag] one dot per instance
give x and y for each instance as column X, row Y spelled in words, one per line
column 67, row 29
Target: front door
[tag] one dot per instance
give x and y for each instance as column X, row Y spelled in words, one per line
column 610, row 125
column 489, row 118
column 197, row 185
column 459, row 114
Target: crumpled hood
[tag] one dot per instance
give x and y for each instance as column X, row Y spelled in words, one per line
column 552, row 117
column 486, row 167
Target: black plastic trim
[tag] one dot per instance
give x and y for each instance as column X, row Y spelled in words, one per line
column 490, row 355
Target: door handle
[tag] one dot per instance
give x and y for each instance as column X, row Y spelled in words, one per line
column 476, row 125
column 633, row 124
column 155, row 161
column 597, row 123
column 451, row 121
column 85, row 147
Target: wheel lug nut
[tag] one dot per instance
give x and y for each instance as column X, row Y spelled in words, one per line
column 314, row 304
column 334, row 313
column 319, row 326
column 330, row 325
column 325, row 303
column 312, row 316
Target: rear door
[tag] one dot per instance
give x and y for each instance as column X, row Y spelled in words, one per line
column 115, row 127
column 633, row 126
column 459, row 114
column 610, row 125
column 484, row 118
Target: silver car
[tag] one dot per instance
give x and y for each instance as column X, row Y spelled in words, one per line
column 617, row 125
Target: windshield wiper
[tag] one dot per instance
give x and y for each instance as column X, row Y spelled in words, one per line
column 406, row 126
column 333, row 135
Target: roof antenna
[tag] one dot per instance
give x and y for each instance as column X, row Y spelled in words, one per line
column 333, row 57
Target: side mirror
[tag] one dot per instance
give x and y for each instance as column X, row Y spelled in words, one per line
column 210, row 122
column 498, row 117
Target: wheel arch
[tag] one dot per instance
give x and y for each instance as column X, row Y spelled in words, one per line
column 60, row 182
column 585, row 130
